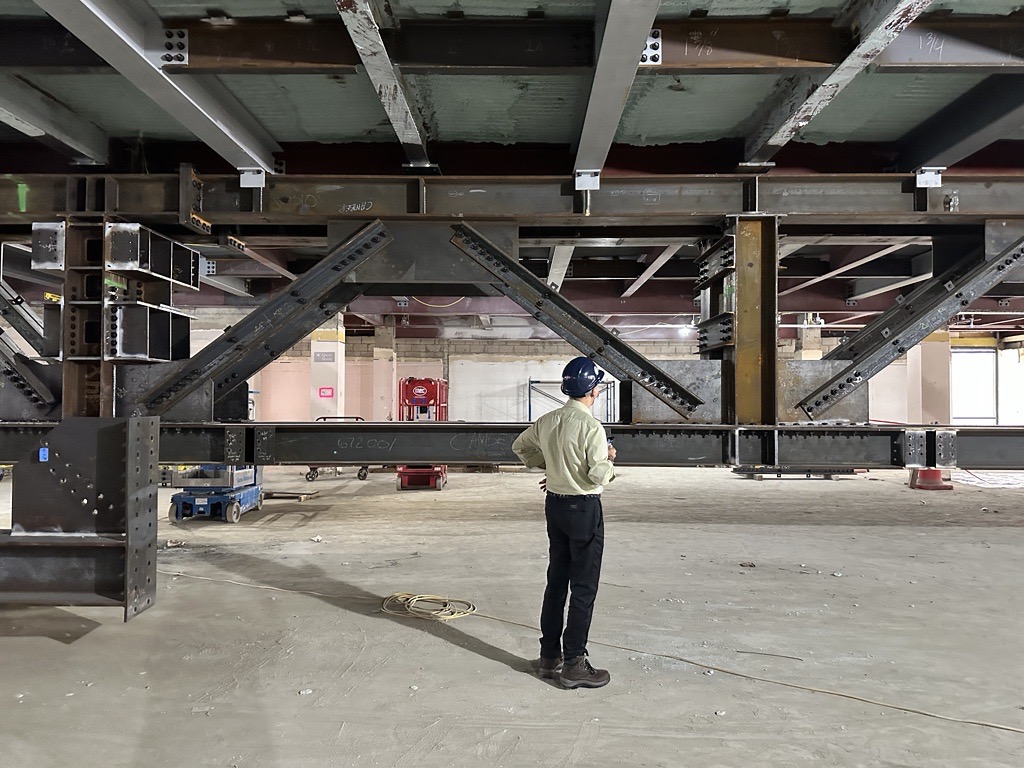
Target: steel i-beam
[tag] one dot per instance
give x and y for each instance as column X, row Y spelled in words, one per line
column 927, row 308
column 558, row 314
column 303, row 299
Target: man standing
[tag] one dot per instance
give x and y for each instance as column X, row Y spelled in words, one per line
column 572, row 446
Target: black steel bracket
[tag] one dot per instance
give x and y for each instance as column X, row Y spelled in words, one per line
column 84, row 516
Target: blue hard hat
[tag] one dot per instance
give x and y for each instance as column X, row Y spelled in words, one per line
column 580, row 376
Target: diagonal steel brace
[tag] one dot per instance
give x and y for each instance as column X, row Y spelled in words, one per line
column 925, row 309
column 247, row 363
column 16, row 368
column 15, row 311
column 295, row 304
column 558, row 314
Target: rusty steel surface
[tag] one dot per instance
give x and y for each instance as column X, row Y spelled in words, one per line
column 753, row 354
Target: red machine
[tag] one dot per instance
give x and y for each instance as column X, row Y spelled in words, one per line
column 422, row 400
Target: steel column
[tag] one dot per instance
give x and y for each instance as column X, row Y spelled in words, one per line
column 84, row 517
column 752, row 356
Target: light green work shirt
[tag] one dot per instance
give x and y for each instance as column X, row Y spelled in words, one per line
column 572, row 446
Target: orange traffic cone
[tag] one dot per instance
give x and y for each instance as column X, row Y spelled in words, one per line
column 928, row 480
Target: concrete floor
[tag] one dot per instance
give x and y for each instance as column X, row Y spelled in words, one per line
column 927, row 613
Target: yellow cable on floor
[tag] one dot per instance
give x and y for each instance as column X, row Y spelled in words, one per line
column 447, row 608
column 432, row 607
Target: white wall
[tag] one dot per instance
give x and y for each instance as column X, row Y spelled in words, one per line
column 887, row 394
column 498, row 391
column 1011, row 387
column 973, row 387
column 285, row 390
column 359, row 387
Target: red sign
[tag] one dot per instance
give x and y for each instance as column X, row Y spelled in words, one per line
column 326, row 392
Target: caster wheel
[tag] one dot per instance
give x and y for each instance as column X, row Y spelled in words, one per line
column 233, row 512
column 312, row 475
column 172, row 513
column 363, row 473
column 398, row 484
column 259, row 502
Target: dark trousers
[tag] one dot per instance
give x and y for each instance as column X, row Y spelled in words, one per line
column 576, row 543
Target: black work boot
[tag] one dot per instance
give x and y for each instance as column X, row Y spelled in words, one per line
column 549, row 667
column 577, row 673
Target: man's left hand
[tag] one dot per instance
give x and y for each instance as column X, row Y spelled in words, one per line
column 543, row 485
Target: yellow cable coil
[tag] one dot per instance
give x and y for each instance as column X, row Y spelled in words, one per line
column 432, row 607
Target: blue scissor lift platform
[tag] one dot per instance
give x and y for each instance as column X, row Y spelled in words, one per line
column 216, row 490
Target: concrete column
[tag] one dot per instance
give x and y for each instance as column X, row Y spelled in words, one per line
column 385, row 373
column 928, row 380
column 327, row 376
column 808, row 337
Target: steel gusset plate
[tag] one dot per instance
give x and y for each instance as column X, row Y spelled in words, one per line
column 927, row 308
column 561, row 316
column 294, row 305
column 716, row 261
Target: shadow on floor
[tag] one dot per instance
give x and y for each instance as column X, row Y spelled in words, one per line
column 349, row 597
column 54, row 623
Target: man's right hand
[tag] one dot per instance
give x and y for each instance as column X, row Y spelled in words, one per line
column 611, row 453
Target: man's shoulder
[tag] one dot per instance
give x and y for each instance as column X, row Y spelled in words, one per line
column 570, row 413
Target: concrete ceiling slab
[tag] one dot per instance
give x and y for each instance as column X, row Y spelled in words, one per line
column 112, row 103
column 885, row 107
column 325, row 108
column 504, row 110
column 667, row 109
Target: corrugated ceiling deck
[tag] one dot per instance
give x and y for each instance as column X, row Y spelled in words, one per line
column 112, row 103
column 504, row 110
column 666, row 109
column 327, row 108
column 886, row 107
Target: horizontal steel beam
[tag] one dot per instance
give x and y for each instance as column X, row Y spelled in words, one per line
column 537, row 47
column 656, row 445
column 696, row 201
